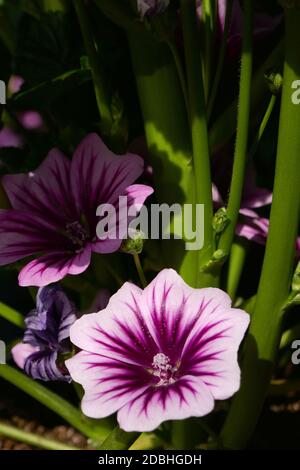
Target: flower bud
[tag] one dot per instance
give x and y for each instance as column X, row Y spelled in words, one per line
column 274, row 82
column 134, row 244
column 220, row 220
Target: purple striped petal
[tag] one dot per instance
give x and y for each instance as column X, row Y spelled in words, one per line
column 42, row 365
column 186, row 398
column 99, row 176
column 21, row 351
column 53, row 267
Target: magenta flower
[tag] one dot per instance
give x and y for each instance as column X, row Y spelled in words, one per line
column 46, row 336
column 54, row 210
column 162, row 353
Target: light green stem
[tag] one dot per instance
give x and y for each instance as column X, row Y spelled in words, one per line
column 201, row 156
column 240, row 155
column 236, row 264
column 54, row 402
column 262, row 126
column 119, row 440
column 33, row 439
column 208, row 18
column 12, row 315
column 274, row 287
column 102, row 95
column 54, row 5
column 140, row 270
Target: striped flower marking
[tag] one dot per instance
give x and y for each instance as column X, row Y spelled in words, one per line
column 163, row 353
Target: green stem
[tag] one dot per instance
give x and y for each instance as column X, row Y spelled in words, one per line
column 240, row 156
column 289, row 336
column 263, row 126
column 12, row 315
column 54, row 5
column 236, row 264
column 201, row 156
column 119, row 440
column 33, row 439
column 55, row 403
column 140, row 270
column 208, row 18
column 102, row 95
column 225, row 125
column 221, row 60
column 274, row 287
column 180, row 71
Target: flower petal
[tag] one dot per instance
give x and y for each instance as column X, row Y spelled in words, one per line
column 99, row 176
column 53, row 267
column 108, row 383
column 185, row 398
column 21, row 351
column 42, row 365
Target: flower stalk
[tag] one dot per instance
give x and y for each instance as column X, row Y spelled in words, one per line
column 240, row 157
column 275, row 282
column 201, row 156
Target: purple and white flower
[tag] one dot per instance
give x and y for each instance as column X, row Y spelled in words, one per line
column 54, row 210
column 46, row 336
column 163, row 353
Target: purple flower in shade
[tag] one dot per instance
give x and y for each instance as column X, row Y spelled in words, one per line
column 46, row 336
column 10, row 138
column 251, row 225
column 151, row 7
column 162, row 353
column 54, row 210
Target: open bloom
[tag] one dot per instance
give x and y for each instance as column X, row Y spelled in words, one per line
column 162, row 353
column 46, row 336
column 54, row 210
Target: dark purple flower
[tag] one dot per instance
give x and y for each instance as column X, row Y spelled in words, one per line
column 152, row 7
column 162, row 353
column 10, row 138
column 54, row 210
column 46, row 336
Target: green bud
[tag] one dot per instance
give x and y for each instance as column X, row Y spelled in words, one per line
column 133, row 245
column 220, row 220
column 274, row 81
column 215, row 263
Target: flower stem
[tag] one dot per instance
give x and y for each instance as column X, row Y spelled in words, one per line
column 12, row 315
column 240, row 157
column 208, row 17
column 236, row 264
column 102, row 95
column 93, row 429
column 177, row 60
column 201, row 156
column 119, row 440
column 262, row 126
column 33, row 439
column 139, row 269
column 221, row 60
column 274, row 287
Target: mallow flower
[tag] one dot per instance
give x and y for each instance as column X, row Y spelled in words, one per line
column 53, row 216
column 46, row 336
column 163, row 353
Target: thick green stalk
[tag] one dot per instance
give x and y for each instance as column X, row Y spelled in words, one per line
column 119, row 440
column 102, row 96
column 265, row 330
column 54, row 402
column 12, row 315
column 201, row 157
column 168, row 137
column 33, row 439
column 240, row 155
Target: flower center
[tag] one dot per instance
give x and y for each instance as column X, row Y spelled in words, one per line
column 77, row 234
column 163, row 369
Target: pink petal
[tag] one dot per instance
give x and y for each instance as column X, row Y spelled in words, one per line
column 53, row 267
column 44, row 192
column 21, row 352
column 107, row 383
column 100, row 176
column 186, row 398
column 10, row 138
